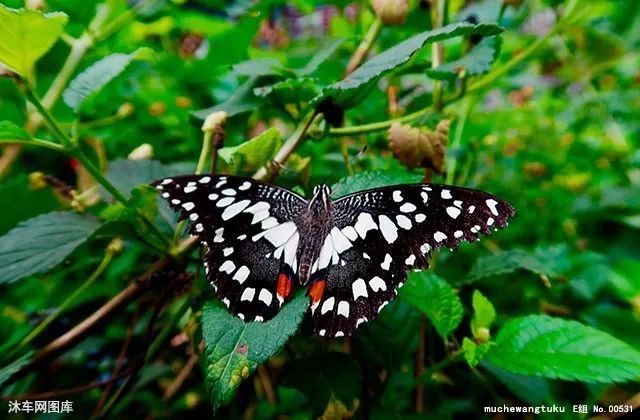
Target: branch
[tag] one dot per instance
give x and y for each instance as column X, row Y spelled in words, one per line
column 365, row 45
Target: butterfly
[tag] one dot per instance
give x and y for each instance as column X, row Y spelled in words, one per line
column 351, row 254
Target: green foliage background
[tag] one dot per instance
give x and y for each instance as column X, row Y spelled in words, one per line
column 103, row 299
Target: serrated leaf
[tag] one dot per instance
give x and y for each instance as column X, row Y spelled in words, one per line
column 126, row 174
column 474, row 353
column 367, row 180
column 291, row 91
column 12, row 132
column 351, row 90
column 39, row 244
column 26, row 35
column 98, row 75
column 255, row 152
column 234, row 349
column 436, row 299
column 478, row 61
column 508, row 262
column 483, row 312
column 556, row 348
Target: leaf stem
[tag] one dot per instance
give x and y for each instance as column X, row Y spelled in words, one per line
column 365, row 46
column 449, row 360
column 437, row 51
column 38, row 142
column 457, row 140
column 68, row 301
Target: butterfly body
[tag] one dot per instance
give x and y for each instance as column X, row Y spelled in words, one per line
column 352, row 254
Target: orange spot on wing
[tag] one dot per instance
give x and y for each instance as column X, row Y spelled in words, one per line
column 284, row 285
column 316, row 290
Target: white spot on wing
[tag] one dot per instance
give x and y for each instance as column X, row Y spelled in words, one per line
column 188, row 206
column 491, row 203
column 359, row 288
column 446, row 194
column 227, row 251
column 364, row 224
column 453, row 212
column 490, row 221
column 224, row 202
column 205, row 180
column 407, row 208
column 218, row 235
column 229, row 191
column 425, row 197
column 340, row 242
column 457, row 234
column 397, row 196
column 420, row 217
column 377, row 283
column 245, row 186
column 327, row 305
column 265, row 296
column 386, row 264
column 190, row 188
column 410, row 260
column 350, row 233
column 388, row 229
column 242, row 274
column 425, row 248
column 248, row 294
column 234, row 209
column 213, row 197
column 227, row 267
column 343, row 308
column 439, row 236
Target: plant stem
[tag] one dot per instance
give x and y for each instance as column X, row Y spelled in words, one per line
column 437, row 19
column 41, row 143
column 457, row 140
column 205, row 152
column 287, row 148
column 365, row 45
column 68, row 301
column 449, row 360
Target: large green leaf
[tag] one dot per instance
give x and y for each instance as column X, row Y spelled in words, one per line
column 126, row 175
column 556, row 348
column 290, row 91
column 508, row 262
column 95, row 77
column 39, row 244
column 436, row 299
column 234, row 349
column 241, row 100
column 11, row 369
column 352, row 89
column 12, row 132
column 532, row 389
column 25, row 35
column 320, row 57
column 478, row 61
column 255, row 152
column 367, row 180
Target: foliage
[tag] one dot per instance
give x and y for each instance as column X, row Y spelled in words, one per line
column 539, row 100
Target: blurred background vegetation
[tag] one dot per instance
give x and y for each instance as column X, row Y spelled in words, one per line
column 103, row 299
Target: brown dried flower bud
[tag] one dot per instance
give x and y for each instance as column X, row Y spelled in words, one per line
column 142, row 152
column 391, row 12
column 415, row 147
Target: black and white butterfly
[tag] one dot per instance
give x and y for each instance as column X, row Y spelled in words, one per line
column 352, row 254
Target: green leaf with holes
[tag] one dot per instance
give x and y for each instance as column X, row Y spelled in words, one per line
column 555, row 348
column 436, row 299
column 253, row 153
column 234, row 348
column 39, row 244
column 26, row 35
column 351, row 90
column 478, row 61
column 98, row 75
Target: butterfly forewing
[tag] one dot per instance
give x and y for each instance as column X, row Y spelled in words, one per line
column 378, row 235
column 251, row 241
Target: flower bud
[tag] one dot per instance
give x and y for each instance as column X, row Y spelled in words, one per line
column 391, row 12
column 142, row 152
column 125, row 110
column 214, row 119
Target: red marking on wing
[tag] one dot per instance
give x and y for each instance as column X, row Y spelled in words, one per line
column 284, row 286
column 316, row 291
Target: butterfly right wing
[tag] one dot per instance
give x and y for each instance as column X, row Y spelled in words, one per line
column 249, row 234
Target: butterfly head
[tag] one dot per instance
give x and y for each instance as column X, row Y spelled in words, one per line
column 321, row 198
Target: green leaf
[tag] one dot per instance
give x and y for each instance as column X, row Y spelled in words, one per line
column 531, row 389
column 367, row 180
column 474, row 353
column 291, row 91
column 556, row 348
column 264, row 66
column 436, row 299
column 19, row 201
column 25, row 35
column 255, row 152
column 625, row 279
column 11, row 132
column 126, row 174
column 351, row 90
column 11, row 369
column 618, row 321
column 234, row 349
column 508, row 262
column 95, row 77
column 478, row 61
column 39, row 244
column 483, row 313
column 242, row 100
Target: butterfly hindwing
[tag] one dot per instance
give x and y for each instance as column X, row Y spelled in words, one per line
column 251, row 242
column 378, row 235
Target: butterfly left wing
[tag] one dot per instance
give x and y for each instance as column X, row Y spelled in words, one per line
column 380, row 234
column 250, row 237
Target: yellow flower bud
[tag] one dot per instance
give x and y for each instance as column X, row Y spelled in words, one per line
column 391, row 12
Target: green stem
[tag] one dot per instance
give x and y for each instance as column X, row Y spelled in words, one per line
column 68, row 301
column 365, row 46
column 40, row 143
column 437, row 19
column 457, row 140
column 205, row 152
column 449, row 360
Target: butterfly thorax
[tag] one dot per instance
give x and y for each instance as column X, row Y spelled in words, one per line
column 313, row 226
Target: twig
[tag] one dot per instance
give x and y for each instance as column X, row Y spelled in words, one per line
column 75, row 390
column 437, row 51
column 182, row 376
column 286, row 150
column 265, row 381
column 365, row 45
